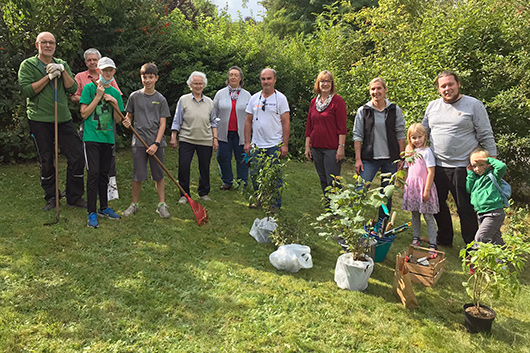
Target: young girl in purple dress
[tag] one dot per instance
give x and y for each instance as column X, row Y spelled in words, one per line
column 420, row 195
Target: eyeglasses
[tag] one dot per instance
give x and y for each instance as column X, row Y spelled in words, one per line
column 45, row 42
column 326, row 81
column 263, row 104
column 198, row 83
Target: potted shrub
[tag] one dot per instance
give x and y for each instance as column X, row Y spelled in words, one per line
column 494, row 270
column 349, row 208
column 268, row 191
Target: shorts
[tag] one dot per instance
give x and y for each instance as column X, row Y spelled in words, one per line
column 140, row 158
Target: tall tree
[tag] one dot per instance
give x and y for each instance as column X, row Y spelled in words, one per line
column 290, row 17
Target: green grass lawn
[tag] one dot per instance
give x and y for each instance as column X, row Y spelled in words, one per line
column 148, row 284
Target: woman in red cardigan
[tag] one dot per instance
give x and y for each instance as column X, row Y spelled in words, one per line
column 325, row 134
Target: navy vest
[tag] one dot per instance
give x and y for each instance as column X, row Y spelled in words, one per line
column 367, row 149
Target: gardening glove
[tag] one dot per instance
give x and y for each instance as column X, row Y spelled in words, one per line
column 54, row 74
column 54, row 67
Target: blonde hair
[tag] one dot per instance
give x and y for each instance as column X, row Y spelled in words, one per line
column 480, row 150
column 321, row 76
column 415, row 128
column 377, row 79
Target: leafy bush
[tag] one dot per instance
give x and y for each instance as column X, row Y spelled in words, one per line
column 496, row 268
column 266, row 174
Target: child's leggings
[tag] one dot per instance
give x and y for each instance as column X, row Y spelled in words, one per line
column 431, row 226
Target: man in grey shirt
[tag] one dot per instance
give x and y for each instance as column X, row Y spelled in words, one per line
column 457, row 124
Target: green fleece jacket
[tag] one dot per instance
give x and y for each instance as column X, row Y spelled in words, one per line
column 484, row 195
column 41, row 106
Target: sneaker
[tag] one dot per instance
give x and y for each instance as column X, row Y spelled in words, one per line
column 81, row 203
column 112, row 189
column 225, row 187
column 92, row 220
column 132, row 209
column 183, row 199
column 163, row 211
column 206, row 198
column 50, row 205
column 109, row 213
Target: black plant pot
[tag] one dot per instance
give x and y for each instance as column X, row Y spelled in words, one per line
column 476, row 324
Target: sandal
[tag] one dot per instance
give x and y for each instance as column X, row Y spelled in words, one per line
column 416, row 242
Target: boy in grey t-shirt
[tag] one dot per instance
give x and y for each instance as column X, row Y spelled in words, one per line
column 149, row 111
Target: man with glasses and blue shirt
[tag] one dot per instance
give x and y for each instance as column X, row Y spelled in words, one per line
column 268, row 122
column 36, row 79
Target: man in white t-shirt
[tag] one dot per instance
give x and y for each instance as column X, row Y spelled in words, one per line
column 268, row 121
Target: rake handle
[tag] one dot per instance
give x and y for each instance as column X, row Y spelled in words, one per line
column 154, row 156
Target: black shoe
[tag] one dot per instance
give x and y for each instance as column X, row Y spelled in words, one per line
column 447, row 245
column 79, row 203
column 225, row 187
column 50, row 205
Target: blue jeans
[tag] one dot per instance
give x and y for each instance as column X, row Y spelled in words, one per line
column 254, row 168
column 224, row 159
column 370, row 170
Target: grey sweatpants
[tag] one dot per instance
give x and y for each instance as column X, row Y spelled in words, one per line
column 490, row 227
column 431, row 227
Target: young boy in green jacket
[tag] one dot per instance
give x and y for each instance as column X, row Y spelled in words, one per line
column 485, row 197
column 99, row 105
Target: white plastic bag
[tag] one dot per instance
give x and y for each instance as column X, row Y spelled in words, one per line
column 291, row 257
column 262, row 229
column 351, row 274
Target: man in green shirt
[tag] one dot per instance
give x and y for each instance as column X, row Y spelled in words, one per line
column 35, row 77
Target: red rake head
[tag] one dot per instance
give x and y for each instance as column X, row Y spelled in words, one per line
column 201, row 214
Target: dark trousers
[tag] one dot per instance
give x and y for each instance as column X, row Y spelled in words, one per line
column 204, row 154
column 326, row 165
column 71, row 147
column 98, row 159
column 224, row 159
column 454, row 180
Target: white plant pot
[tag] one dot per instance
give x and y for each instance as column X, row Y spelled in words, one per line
column 351, row 274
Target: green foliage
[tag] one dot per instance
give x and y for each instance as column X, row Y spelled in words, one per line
column 15, row 142
column 267, row 177
column 290, row 230
column 497, row 267
column 291, row 17
column 350, row 207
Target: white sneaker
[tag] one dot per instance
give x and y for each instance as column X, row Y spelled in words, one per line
column 112, row 189
column 183, row 199
column 206, row 198
column 163, row 211
column 132, row 209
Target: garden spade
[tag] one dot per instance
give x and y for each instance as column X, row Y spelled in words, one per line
column 56, row 127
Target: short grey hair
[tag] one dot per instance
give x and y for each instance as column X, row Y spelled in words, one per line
column 200, row 74
column 92, row 51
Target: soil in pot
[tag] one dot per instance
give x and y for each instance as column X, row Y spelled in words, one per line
column 479, row 319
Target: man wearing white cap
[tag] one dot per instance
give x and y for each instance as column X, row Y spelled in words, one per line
column 99, row 106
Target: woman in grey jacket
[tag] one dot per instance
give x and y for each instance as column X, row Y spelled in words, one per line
column 229, row 112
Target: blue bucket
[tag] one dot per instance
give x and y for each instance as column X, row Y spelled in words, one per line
column 382, row 247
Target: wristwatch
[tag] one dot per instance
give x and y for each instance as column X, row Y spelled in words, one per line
column 157, row 144
column 342, row 144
